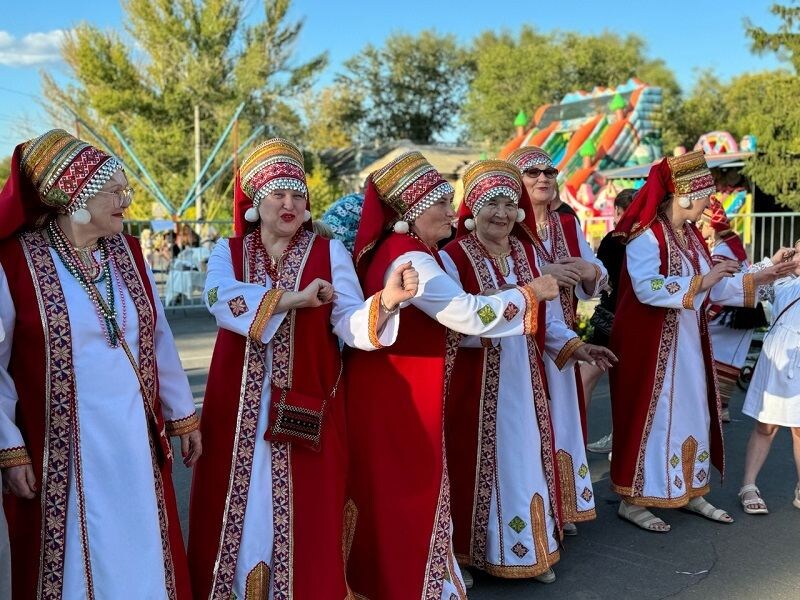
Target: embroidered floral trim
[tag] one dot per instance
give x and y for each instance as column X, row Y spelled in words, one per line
column 511, row 311
column 238, row 306
column 656, row 284
column 14, row 457
column 182, row 426
column 374, row 313
column 213, row 296
column 529, row 322
column 688, row 298
column 266, row 308
column 487, row 314
column 749, row 285
column 673, row 287
column 567, row 351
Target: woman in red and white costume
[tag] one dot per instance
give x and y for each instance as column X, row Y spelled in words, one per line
column 267, row 503
column 665, row 402
column 91, row 386
column 501, row 455
column 562, row 251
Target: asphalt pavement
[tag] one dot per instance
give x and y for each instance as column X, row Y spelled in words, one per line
column 755, row 557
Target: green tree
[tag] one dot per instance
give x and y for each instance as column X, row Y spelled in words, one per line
column 533, row 68
column 332, row 117
column 765, row 105
column 5, row 170
column 412, row 87
column 323, row 188
column 785, row 42
column 704, row 109
column 178, row 54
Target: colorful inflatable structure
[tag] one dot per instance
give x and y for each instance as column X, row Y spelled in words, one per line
column 606, row 128
column 725, row 157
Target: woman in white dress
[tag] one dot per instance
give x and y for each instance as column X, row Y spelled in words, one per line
column 503, row 475
column 773, row 398
column 90, row 386
column 665, row 403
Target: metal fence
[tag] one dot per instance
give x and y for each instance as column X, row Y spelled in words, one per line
column 178, row 251
column 178, row 255
column 761, row 233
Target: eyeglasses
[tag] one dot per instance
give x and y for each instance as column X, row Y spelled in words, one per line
column 549, row 172
column 124, row 197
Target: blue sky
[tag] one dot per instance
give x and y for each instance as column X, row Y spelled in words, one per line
column 688, row 35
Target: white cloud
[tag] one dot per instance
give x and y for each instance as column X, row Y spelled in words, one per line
column 32, row 49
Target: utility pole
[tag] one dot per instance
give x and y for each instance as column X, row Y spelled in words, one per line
column 77, row 129
column 235, row 147
column 198, row 202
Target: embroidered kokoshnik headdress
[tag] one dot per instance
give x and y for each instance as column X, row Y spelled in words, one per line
column 55, row 172
column 395, row 196
column 276, row 164
column 686, row 176
column 484, row 180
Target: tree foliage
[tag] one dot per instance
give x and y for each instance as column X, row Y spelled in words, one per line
column 524, row 71
column 704, row 109
column 412, row 87
column 785, row 42
column 178, row 54
column 323, row 188
column 333, row 115
column 5, row 170
column 765, row 105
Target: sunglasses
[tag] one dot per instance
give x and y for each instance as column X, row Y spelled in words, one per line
column 549, row 172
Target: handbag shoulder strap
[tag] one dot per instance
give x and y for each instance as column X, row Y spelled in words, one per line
column 788, row 306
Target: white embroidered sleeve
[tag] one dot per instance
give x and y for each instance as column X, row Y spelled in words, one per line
column 643, row 258
column 177, row 402
column 354, row 320
column 511, row 312
column 12, row 447
column 244, row 308
column 466, row 341
column 601, row 274
column 560, row 342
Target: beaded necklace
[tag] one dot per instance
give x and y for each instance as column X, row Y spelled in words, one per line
column 272, row 264
column 499, row 262
column 549, row 229
column 88, row 276
column 683, row 243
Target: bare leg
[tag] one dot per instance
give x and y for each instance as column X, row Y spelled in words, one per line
column 796, row 446
column 758, row 449
column 590, row 375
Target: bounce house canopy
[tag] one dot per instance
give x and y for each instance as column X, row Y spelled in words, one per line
column 606, row 128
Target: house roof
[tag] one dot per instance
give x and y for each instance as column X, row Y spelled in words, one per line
column 715, row 161
column 448, row 160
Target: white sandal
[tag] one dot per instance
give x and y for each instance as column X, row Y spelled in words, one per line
column 641, row 517
column 796, row 500
column 704, row 508
column 752, row 506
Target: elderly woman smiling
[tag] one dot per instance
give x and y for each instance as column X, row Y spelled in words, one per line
column 90, row 386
